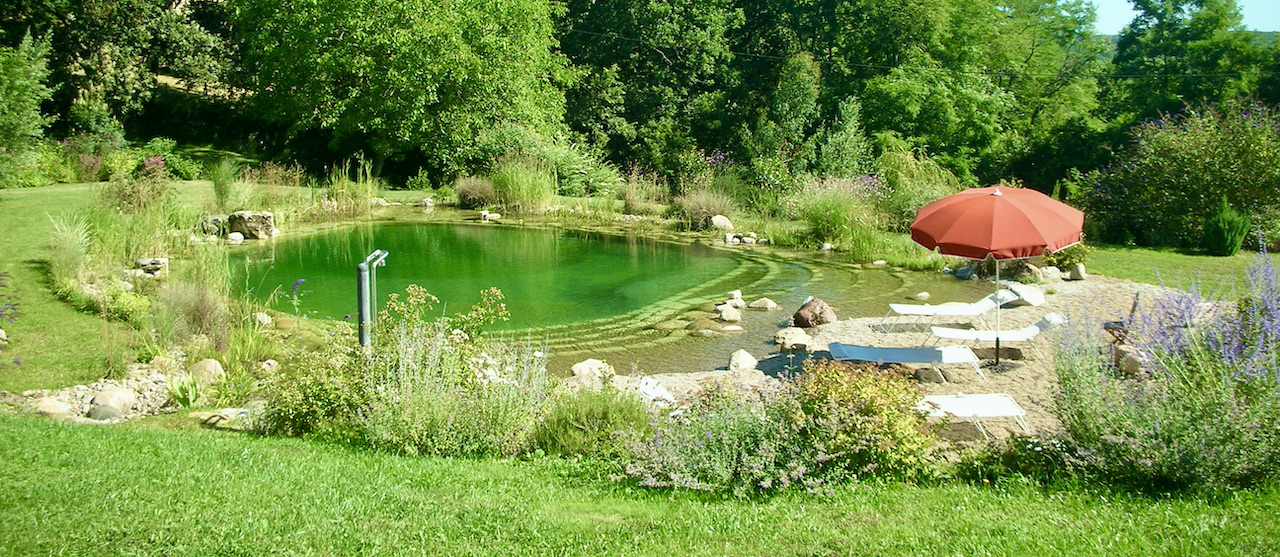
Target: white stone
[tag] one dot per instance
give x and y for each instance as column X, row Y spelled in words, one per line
column 922, row 296
column 1077, row 272
column 1028, row 294
column 1051, row 273
column 736, row 303
column 120, row 398
column 827, row 247
column 262, row 319
column 235, row 238
column 207, row 371
column 50, row 407
column 742, row 360
column 592, row 369
column 735, row 294
column 732, row 329
column 4, row 338
column 792, row 338
column 879, row 263
column 653, row 391
column 721, row 222
column 748, row 240
column 270, row 365
column 493, row 216
column 764, row 303
column 731, row 315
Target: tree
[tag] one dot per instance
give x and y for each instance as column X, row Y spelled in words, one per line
column 22, row 90
column 1179, row 53
column 396, row 76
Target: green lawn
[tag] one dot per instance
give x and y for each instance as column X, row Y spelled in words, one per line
column 137, row 490
column 1174, row 268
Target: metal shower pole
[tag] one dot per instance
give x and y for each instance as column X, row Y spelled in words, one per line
column 366, row 291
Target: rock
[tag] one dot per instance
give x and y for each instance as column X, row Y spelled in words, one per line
column 879, row 263
column 731, row 238
column 492, row 216
column 270, row 366
column 732, row 329
column 262, row 319
column 4, row 338
column 742, row 360
column 965, row 273
column 378, row 202
column 922, row 296
column 827, row 247
column 235, row 238
column 51, row 407
column 653, row 391
column 764, row 304
column 286, row 323
column 735, row 294
column 1028, row 295
column 813, row 313
column 213, row 225
column 207, row 371
column 103, row 413
column 748, row 240
column 706, row 333
column 792, row 339
column 730, row 315
column 1077, row 272
column 164, row 364
column 119, row 398
column 736, row 303
column 426, row 202
column 1129, row 359
column 257, row 225
column 721, row 222
column 1051, row 273
column 589, row 374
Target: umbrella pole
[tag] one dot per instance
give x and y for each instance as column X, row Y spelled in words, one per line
column 998, row 304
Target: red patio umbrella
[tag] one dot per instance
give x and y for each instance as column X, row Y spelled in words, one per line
column 998, row 223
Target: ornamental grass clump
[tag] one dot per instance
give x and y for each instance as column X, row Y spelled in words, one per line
column 836, row 422
column 591, row 422
column 1201, row 415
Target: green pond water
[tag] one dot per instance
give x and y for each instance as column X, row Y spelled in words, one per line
column 582, row 295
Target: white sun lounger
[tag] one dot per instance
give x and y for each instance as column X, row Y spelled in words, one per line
column 1026, row 334
column 925, row 355
column 974, row 407
column 951, row 309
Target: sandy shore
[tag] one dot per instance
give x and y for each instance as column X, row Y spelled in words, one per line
column 1033, row 380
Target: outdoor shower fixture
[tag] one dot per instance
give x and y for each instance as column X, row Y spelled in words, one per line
column 367, row 290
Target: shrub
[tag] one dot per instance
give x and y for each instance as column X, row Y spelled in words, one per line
column 835, row 423
column 119, row 303
column 184, row 310
column 474, row 192
column 696, row 208
column 911, row 183
column 120, row 164
column 132, row 195
column 1202, row 414
column 69, row 251
column 352, row 196
column 1224, row 231
column 592, row 423
column 640, row 196
column 837, row 213
column 224, row 174
column 523, row 186
column 420, row 181
column 1064, row 258
column 578, row 173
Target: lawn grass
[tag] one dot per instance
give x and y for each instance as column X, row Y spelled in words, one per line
column 136, row 490
column 1174, row 268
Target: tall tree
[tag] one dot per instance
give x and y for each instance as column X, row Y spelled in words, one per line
column 394, row 76
column 1177, row 53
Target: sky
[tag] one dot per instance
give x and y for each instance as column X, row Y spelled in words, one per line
column 1259, row 15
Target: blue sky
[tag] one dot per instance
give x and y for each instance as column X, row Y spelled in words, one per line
column 1259, row 15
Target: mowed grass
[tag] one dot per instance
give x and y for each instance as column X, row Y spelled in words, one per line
column 1175, row 269
column 134, row 490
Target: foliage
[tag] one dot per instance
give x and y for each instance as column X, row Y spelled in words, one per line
column 696, row 208
column 352, row 195
column 224, row 174
column 186, row 391
column 834, row 423
column 1064, row 258
column 22, row 89
column 844, row 150
column 523, row 186
column 1163, row 188
column 579, row 173
column 1224, row 231
column 841, row 211
column 392, row 78
column 1200, row 415
column 911, row 181
column 474, row 192
column 591, row 422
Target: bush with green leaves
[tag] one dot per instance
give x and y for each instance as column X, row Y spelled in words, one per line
column 696, row 208
column 836, row 422
column 1064, row 258
column 1224, row 231
column 591, row 422
column 910, row 181
column 475, row 192
column 523, row 186
column 1163, row 188
column 225, row 175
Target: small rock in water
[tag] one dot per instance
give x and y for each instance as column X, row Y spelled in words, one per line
column 763, row 303
column 735, row 294
column 742, row 360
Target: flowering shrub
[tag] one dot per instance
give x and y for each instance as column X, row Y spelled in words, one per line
column 836, row 422
column 1164, row 187
column 1204, row 412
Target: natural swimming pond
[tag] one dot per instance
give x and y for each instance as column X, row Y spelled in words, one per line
column 581, row 294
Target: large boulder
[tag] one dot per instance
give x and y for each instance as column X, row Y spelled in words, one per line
column 51, row 407
column 741, row 360
column 257, row 225
column 721, row 222
column 119, row 398
column 813, row 313
column 207, row 371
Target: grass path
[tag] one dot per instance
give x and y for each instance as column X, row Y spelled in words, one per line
column 136, row 490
